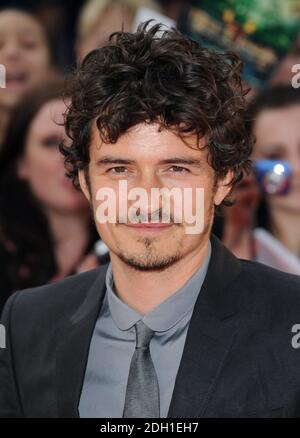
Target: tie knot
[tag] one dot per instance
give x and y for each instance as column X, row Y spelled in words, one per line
column 143, row 335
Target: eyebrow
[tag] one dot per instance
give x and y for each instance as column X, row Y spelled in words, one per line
column 112, row 160
column 174, row 160
column 271, row 148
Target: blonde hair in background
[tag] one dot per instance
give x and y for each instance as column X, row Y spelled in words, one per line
column 93, row 10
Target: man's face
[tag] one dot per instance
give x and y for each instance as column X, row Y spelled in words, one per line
column 146, row 158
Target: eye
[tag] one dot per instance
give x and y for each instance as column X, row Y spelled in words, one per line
column 117, row 170
column 28, row 44
column 51, row 142
column 274, row 156
column 179, row 169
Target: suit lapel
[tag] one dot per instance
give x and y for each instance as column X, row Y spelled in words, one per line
column 72, row 351
column 210, row 335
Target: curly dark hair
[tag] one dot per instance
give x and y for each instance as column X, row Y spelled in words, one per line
column 156, row 75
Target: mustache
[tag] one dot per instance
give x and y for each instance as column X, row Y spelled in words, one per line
column 144, row 217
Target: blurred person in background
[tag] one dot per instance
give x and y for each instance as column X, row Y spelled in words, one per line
column 275, row 121
column 26, row 53
column 174, row 8
column 46, row 231
column 276, row 126
column 234, row 225
column 284, row 72
column 99, row 18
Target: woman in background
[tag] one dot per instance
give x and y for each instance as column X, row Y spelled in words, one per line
column 27, row 56
column 276, row 126
column 45, row 225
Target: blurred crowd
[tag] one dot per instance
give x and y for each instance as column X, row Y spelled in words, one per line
column 46, row 230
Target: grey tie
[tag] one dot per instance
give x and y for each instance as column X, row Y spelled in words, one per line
column 142, row 393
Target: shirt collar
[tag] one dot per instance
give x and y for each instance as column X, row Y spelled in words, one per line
column 165, row 315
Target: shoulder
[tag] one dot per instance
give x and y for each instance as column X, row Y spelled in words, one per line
column 269, row 290
column 52, row 301
column 6, row 274
column 265, row 276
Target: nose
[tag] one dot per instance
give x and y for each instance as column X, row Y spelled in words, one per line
column 295, row 165
column 11, row 50
column 294, row 161
column 148, row 186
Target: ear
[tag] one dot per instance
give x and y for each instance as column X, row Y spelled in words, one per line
column 223, row 188
column 83, row 184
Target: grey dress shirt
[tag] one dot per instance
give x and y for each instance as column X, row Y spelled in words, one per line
column 113, row 344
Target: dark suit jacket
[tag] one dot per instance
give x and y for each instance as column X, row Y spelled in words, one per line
column 238, row 359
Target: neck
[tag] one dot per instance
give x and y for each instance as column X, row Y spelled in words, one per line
column 70, row 235
column 285, row 227
column 143, row 291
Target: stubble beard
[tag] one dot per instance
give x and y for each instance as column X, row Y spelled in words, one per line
column 150, row 258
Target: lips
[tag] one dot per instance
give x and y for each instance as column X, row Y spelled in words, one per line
column 15, row 80
column 144, row 227
column 295, row 185
column 67, row 184
column 148, row 225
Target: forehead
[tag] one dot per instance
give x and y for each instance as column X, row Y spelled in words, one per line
column 274, row 125
column 49, row 117
column 17, row 22
column 146, row 141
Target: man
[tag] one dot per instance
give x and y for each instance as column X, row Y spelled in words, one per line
column 175, row 325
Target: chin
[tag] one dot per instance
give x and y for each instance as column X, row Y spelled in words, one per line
column 151, row 264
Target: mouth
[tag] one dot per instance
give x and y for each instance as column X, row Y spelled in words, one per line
column 16, row 80
column 295, row 186
column 67, row 184
column 150, row 227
